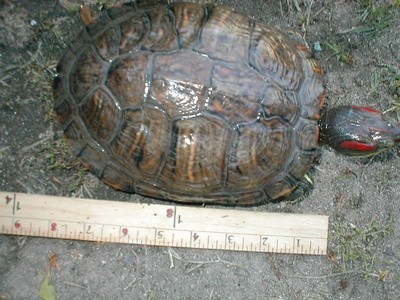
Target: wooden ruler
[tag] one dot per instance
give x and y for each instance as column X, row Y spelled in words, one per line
column 162, row 225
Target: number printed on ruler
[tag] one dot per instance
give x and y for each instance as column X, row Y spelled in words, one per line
column 162, row 225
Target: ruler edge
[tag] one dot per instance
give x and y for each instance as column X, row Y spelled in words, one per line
column 323, row 219
column 172, row 204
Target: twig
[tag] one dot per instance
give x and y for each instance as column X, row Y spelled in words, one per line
column 171, row 259
column 219, row 260
column 40, row 142
column 172, row 255
column 85, row 188
column 33, row 57
column 130, row 284
column 134, row 253
column 28, row 189
column 194, row 268
column 198, row 263
column 281, row 8
column 2, row 81
column 308, row 18
column 211, row 294
column 325, row 276
column 296, row 5
column 82, row 287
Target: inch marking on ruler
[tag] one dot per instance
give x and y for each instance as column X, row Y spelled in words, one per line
column 162, row 225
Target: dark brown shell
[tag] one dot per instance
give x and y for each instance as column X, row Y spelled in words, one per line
column 190, row 103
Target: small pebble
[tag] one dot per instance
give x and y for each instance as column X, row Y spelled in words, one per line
column 317, row 47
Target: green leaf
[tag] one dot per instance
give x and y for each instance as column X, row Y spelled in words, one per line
column 47, row 290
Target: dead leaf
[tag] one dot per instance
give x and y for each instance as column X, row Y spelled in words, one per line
column 344, row 284
column 53, row 259
column 88, row 15
column 332, row 257
column 383, row 275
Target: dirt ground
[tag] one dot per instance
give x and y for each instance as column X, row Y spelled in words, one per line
column 360, row 50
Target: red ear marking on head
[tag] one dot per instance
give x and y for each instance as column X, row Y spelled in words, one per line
column 367, row 109
column 357, row 146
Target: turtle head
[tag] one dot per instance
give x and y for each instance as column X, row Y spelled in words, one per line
column 358, row 131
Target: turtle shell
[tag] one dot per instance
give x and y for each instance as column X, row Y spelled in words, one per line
column 190, row 103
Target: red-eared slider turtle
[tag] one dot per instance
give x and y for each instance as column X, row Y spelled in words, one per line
column 197, row 103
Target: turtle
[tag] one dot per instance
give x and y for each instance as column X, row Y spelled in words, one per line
column 202, row 104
